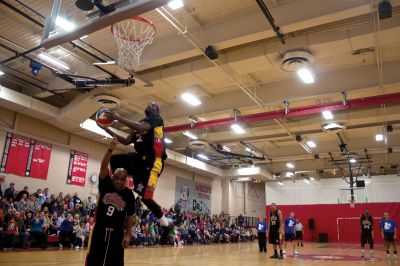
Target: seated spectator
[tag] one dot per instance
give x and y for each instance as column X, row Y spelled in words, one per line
column 37, row 233
column 53, row 225
column 23, row 194
column 60, row 198
column 30, row 203
column 21, row 205
column 66, row 232
column 77, row 210
column 9, row 192
column 46, row 194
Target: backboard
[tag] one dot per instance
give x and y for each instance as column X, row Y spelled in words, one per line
column 67, row 22
column 346, row 197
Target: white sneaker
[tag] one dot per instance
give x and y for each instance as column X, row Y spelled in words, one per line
column 371, row 254
column 295, row 253
column 72, row 246
column 362, row 253
column 394, row 256
column 387, row 255
column 61, row 246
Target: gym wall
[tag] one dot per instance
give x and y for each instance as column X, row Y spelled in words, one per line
column 319, row 201
column 62, row 142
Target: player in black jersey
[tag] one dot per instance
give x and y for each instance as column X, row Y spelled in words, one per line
column 114, row 217
column 366, row 222
column 275, row 231
column 147, row 162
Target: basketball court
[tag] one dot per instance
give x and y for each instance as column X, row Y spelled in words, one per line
column 295, row 102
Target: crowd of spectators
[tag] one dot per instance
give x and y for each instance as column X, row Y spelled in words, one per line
column 32, row 219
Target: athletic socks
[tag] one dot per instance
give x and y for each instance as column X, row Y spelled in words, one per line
column 362, row 253
column 163, row 221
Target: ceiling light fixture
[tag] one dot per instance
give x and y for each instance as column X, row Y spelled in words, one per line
column 237, row 128
column 249, row 150
column 91, row 125
column 352, row 160
column 1, row 73
column 306, row 75
column 190, row 99
column 290, row 165
column 226, row 148
column 83, row 37
column 327, row 115
column 280, row 183
column 189, row 134
column 175, row 4
column 311, row 144
column 305, row 180
column 202, row 156
column 311, row 178
column 379, row 137
column 48, row 58
column 65, row 24
column 244, row 179
column 333, row 126
column 167, row 140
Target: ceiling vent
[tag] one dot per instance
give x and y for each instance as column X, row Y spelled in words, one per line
column 107, row 101
column 295, row 60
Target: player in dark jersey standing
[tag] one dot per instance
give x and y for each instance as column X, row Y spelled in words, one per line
column 147, row 163
column 114, row 217
column 275, row 231
column 366, row 222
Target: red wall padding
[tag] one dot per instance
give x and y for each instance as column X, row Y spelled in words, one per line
column 325, row 217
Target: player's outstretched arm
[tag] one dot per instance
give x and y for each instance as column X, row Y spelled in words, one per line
column 139, row 127
column 106, row 158
column 122, row 140
column 128, row 229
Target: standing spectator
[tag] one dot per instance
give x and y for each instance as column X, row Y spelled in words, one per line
column 299, row 233
column 89, row 227
column 367, row 222
column 290, row 234
column 23, row 193
column 37, row 232
column 11, row 232
column 66, row 232
column 241, row 220
column 80, row 236
column 22, row 231
column 9, row 192
column 262, row 235
column 90, row 206
column 388, row 229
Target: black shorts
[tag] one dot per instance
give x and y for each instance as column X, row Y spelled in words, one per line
column 105, row 248
column 145, row 172
column 290, row 237
column 274, row 237
column 366, row 237
column 389, row 237
column 299, row 235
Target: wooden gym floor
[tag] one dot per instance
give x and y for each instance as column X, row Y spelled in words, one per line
column 210, row 255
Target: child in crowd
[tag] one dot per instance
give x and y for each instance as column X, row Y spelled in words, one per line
column 80, row 236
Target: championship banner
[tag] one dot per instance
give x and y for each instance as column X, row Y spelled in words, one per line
column 38, row 160
column 77, row 168
column 192, row 196
column 15, row 155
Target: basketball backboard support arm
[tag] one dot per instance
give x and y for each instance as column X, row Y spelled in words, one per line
column 136, row 8
column 50, row 23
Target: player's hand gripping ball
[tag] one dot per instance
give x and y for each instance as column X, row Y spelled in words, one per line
column 102, row 119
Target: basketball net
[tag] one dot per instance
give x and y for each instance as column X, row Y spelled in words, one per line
column 132, row 36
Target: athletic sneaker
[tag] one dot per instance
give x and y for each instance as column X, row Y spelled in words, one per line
column 302, row 245
column 295, row 253
column 394, row 256
column 72, row 246
column 371, row 254
column 362, row 253
column 275, row 256
column 281, row 257
column 61, row 246
column 284, row 254
column 387, row 255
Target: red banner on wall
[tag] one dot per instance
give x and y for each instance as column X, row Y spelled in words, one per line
column 38, row 160
column 77, row 168
column 15, row 155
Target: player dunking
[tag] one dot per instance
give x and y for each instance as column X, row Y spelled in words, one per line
column 367, row 221
column 275, row 231
column 147, row 163
column 114, row 217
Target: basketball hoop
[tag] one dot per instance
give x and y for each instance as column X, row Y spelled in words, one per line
column 132, row 36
